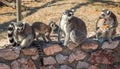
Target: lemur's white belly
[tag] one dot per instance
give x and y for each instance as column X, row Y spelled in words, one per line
column 63, row 25
column 21, row 37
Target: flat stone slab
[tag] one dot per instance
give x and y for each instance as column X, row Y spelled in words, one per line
column 78, row 55
column 81, row 65
column 23, row 63
column 30, row 51
column 111, row 45
column 4, row 66
column 49, row 60
column 52, row 49
column 102, row 57
column 8, row 54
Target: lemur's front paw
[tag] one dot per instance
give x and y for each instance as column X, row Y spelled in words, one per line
column 65, row 44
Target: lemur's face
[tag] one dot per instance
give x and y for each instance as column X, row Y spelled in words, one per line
column 68, row 14
column 19, row 27
column 105, row 14
column 52, row 24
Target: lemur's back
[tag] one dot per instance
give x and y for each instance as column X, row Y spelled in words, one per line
column 40, row 27
column 78, row 24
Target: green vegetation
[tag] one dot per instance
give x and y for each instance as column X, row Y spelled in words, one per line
column 90, row 1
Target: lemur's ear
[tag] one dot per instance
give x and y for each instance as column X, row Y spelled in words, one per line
column 52, row 20
column 108, row 12
column 63, row 11
column 73, row 10
column 13, row 23
column 24, row 24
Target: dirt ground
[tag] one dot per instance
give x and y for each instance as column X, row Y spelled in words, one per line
column 46, row 10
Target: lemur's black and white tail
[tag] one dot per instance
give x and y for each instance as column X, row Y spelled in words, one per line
column 11, row 34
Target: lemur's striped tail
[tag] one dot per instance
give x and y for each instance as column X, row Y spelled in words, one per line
column 11, row 34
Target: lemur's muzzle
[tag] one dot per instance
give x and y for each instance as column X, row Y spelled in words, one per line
column 102, row 16
column 19, row 29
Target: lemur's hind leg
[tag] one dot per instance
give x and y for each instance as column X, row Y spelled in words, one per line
column 27, row 41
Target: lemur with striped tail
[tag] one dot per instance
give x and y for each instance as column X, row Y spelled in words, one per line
column 20, row 34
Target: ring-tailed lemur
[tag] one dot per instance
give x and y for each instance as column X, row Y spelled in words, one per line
column 41, row 29
column 73, row 27
column 108, row 29
column 20, row 34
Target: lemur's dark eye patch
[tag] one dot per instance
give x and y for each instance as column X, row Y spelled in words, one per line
column 69, row 14
column 19, row 28
column 52, row 25
column 21, row 25
column 103, row 15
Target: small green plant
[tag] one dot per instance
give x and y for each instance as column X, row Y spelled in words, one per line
column 90, row 1
column 96, row 8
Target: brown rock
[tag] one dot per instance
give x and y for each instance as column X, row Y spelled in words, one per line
column 103, row 57
column 90, row 45
column 52, row 49
column 111, row 45
column 36, row 57
column 48, row 67
column 4, row 66
column 61, row 59
column 8, row 54
column 49, row 60
column 71, row 58
column 23, row 64
column 30, row 51
column 44, row 67
column 118, row 50
column 117, row 67
column 72, row 45
column 93, row 67
column 3, row 42
column 78, row 55
column 117, row 54
column 111, row 67
column 51, row 67
column 65, row 67
column 82, row 65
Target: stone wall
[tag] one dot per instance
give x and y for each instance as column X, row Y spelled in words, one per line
column 89, row 55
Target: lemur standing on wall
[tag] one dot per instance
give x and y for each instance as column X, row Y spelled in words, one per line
column 108, row 29
column 43, row 30
column 20, row 34
column 74, row 28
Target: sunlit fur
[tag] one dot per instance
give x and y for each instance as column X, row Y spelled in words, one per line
column 73, row 27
